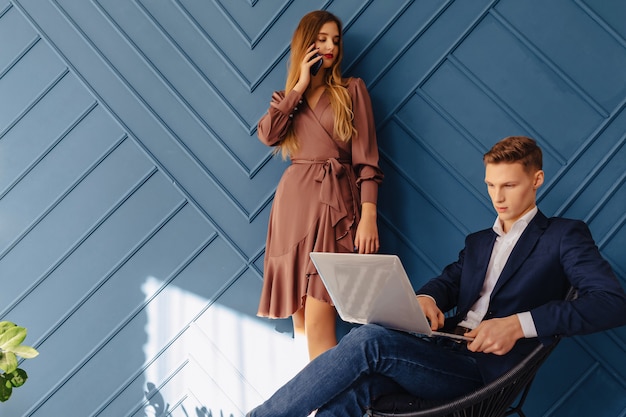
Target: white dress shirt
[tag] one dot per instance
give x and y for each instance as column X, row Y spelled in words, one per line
column 505, row 242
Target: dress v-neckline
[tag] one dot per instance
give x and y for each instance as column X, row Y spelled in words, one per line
column 316, row 104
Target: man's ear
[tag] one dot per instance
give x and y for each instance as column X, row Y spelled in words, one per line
column 539, row 176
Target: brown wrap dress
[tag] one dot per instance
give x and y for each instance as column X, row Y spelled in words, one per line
column 317, row 203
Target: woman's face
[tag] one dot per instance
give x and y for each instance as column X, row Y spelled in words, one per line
column 328, row 43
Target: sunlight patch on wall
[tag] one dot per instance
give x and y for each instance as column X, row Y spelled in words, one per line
column 214, row 361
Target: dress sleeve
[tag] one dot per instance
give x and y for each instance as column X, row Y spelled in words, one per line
column 273, row 126
column 364, row 145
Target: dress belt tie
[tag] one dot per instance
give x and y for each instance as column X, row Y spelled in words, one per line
column 330, row 194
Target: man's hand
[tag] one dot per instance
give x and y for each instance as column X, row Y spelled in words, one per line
column 432, row 312
column 497, row 336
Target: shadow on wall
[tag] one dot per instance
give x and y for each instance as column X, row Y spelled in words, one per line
column 158, row 407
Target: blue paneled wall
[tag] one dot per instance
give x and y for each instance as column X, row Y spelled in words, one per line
column 134, row 195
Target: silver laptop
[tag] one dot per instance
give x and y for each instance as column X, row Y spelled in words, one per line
column 373, row 289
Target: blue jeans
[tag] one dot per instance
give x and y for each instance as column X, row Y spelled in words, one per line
column 371, row 361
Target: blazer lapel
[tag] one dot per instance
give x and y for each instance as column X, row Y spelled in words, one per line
column 522, row 249
column 479, row 260
column 482, row 263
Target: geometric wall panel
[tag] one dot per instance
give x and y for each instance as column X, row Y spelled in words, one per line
column 134, row 194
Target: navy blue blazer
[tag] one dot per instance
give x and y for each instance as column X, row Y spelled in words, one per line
column 550, row 256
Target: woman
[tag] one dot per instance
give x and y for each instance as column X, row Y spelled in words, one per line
column 326, row 199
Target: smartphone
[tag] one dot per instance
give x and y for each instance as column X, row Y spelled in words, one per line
column 316, row 67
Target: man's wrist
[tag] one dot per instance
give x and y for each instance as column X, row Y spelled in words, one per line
column 528, row 324
column 428, row 296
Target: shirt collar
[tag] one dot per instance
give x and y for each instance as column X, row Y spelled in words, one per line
column 520, row 224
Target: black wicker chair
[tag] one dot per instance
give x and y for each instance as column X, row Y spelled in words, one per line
column 496, row 399
column 492, row 400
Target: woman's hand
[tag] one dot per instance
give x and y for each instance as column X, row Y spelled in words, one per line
column 366, row 239
column 305, row 69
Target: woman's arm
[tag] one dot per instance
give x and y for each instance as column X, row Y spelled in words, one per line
column 366, row 239
column 273, row 126
column 365, row 163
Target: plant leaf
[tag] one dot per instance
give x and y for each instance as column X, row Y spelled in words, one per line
column 8, row 362
column 6, row 325
column 12, row 337
column 5, row 388
column 17, row 378
column 25, row 352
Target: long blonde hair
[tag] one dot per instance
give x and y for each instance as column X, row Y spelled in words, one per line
column 304, row 36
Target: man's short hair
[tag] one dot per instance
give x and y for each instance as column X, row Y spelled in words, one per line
column 516, row 149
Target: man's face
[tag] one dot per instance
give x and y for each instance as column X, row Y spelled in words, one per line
column 512, row 189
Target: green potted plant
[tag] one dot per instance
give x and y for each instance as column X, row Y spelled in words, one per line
column 11, row 338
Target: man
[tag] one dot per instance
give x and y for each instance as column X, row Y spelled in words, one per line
column 508, row 287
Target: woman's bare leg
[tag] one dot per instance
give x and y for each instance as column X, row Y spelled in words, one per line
column 298, row 323
column 320, row 326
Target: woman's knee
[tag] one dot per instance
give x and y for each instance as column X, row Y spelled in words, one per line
column 319, row 316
